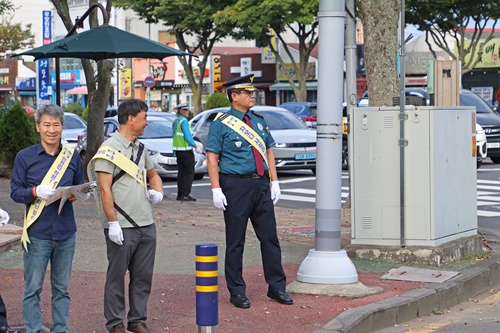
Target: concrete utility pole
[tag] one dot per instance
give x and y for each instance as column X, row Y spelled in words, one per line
column 327, row 263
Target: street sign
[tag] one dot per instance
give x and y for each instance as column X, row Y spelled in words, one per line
column 149, row 82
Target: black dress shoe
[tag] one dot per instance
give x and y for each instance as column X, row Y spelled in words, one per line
column 7, row 329
column 188, row 198
column 280, row 296
column 240, row 301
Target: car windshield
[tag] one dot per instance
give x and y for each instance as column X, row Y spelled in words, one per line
column 157, row 129
column 281, row 120
column 73, row 122
column 471, row 99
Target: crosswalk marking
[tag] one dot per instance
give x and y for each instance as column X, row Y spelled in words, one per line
column 488, row 195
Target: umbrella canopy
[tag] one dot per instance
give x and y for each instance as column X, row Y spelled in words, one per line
column 82, row 90
column 104, row 42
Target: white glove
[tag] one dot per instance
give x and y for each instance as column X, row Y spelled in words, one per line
column 45, row 191
column 199, row 148
column 219, row 198
column 275, row 191
column 154, row 196
column 115, row 232
column 79, row 195
column 4, row 217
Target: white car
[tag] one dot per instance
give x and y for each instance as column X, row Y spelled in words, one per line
column 480, row 145
column 157, row 138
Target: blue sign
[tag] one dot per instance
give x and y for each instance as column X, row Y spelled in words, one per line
column 44, row 89
column 149, row 82
column 28, row 83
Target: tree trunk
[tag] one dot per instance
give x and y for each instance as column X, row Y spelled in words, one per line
column 380, row 26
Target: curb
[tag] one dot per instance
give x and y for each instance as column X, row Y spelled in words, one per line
column 471, row 282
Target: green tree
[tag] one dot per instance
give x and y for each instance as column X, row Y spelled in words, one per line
column 16, row 133
column 187, row 20
column 440, row 19
column 98, row 96
column 13, row 36
column 262, row 19
column 217, row 100
column 380, row 26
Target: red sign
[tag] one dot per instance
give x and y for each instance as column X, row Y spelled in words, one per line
column 149, row 82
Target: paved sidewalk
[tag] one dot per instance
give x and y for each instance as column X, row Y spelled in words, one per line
column 182, row 225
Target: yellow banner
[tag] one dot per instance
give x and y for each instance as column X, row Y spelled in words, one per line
column 490, row 57
column 125, row 83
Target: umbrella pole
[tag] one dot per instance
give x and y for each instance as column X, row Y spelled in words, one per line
column 78, row 23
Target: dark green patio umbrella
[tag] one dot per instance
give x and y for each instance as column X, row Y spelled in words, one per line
column 104, row 42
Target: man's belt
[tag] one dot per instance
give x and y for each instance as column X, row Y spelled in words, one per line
column 51, row 178
column 251, row 175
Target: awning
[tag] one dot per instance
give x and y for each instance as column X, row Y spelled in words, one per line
column 82, row 90
column 310, row 85
column 27, row 93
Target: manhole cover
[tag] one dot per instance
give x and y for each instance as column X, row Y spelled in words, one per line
column 405, row 273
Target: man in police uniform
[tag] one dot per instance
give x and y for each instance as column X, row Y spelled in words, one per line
column 183, row 145
column 240, row 165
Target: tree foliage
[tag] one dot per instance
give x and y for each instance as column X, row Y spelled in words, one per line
column 380, row 26
column 16, row 133
column 13, row 36
column 256, row 19
column 217, row 100
column 187, row 20
column 445, row 18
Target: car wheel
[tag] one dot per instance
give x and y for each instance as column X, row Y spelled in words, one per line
column 478, row 163
column 495, row 159
column 198, row 176
column 345, row 156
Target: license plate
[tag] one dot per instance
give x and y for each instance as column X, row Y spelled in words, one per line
column 310, row 156
column 493, row 145
column 172, row 161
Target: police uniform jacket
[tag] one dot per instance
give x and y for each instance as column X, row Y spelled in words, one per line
column 235, row 153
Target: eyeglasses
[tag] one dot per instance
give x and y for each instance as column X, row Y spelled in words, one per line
column 246, row 92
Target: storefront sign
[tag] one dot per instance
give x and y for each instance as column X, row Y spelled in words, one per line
column 490, row 58
column 43, row 70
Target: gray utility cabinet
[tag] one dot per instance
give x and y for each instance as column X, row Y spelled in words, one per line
column 440, row 175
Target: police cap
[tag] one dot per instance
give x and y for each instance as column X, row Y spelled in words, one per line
column 240, row 83
column 182, row 106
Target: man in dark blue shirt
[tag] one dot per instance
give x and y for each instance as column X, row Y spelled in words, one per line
column 48, row 235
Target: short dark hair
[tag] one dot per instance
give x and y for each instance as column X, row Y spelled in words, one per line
column 52, row 110
column 130, row 107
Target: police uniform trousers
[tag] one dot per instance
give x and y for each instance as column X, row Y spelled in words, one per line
column 136, row 255
column 3, row 313
column 250, row 198
column 185, row 173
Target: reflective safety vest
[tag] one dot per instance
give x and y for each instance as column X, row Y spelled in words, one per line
column 178, row 142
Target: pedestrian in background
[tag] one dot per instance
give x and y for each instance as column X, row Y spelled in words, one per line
column 4, row 326
column 240, row 165
column 183, row 145
column 124, row 206
column 48, row 235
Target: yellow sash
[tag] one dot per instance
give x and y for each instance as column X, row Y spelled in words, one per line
column 122, row 162
column 246, row 131
column 52, row 178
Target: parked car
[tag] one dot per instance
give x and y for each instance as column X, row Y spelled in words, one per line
column 72, row 127
column 295, row 142
column 157, row 138
column 306, row 111
column 481, row 144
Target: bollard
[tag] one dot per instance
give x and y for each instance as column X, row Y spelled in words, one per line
column 207, row 289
